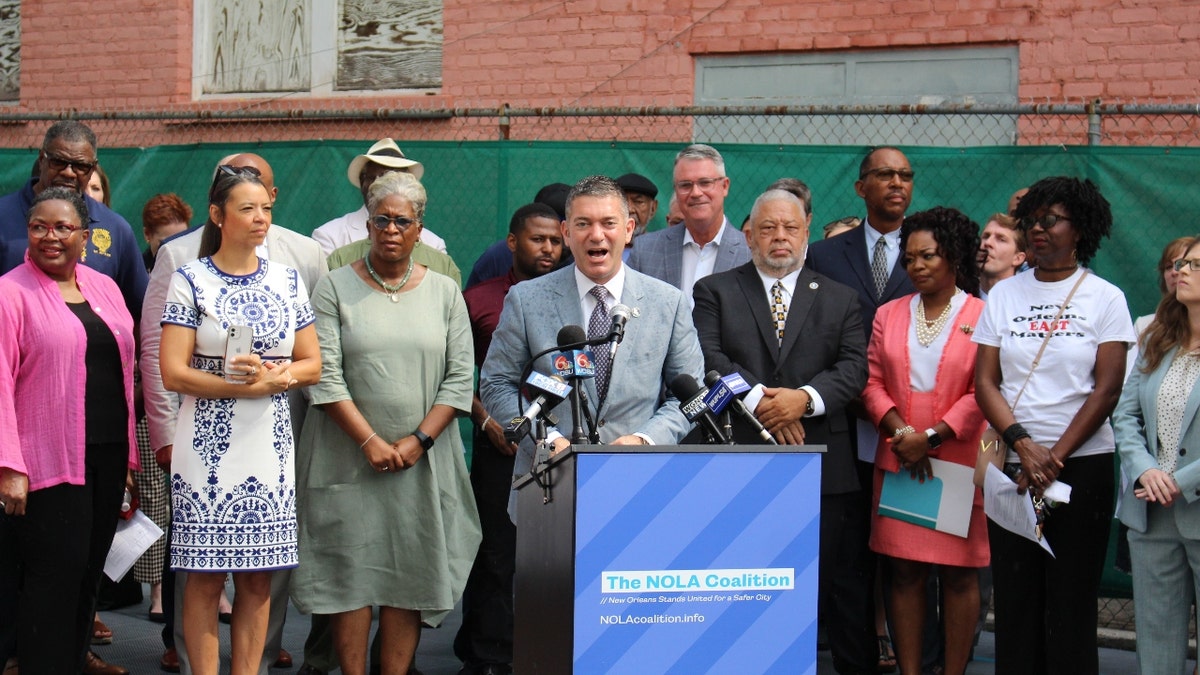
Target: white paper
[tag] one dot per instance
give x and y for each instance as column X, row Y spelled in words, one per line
column 132, row 539
column 1057, row 492
column 1012, row 511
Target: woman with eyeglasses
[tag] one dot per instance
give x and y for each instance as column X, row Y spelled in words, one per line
column 232, row 477
column 1156, row 422
column 387, row 517
column 1052, row 347
column 66, row 434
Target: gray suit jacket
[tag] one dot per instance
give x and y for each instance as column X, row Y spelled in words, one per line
column 162, row 406
column 660, row 254
column 1135, row 424
column 659, row 344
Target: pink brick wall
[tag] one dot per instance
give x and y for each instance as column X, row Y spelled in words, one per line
column 632, row 52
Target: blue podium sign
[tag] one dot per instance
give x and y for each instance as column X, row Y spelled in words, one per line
column 696, row 563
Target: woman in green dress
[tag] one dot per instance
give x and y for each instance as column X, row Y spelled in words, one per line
column 386, row 513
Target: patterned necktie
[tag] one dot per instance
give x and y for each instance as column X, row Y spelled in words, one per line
column 779, row 310
column 598, row 327
column 879, row 268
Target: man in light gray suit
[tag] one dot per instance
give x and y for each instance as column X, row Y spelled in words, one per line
column 706, row 244
column 162, row 406
column 660, row 342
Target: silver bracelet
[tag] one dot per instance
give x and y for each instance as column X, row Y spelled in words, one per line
column 483, row 425
column 906, row 429
column 364, row 443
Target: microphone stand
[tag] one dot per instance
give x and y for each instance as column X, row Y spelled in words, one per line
column 577, row 412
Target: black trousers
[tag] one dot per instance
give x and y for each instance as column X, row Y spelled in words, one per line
column 1046, row 607
column 486, row 634
column 845, row 582
column 52, row 559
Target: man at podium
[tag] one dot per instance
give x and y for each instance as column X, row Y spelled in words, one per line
column 625, row 396
column 799, row 334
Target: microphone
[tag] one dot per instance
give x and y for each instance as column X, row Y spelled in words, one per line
column 724, row 393
column 620, row 314
column 573, row 363
column 691, row 402
column 550, row 392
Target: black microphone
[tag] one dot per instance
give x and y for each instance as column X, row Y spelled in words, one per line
column 574, row 365
column 691, row 402
column 550, row 392
column 724, row 393
column 619, row 314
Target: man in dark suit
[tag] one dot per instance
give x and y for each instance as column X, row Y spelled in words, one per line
column 799, row 334
column 857, row 258
column 660, row 341
column 867, row 259
column 707, row 243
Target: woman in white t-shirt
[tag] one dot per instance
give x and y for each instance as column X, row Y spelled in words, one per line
column 1053, row 417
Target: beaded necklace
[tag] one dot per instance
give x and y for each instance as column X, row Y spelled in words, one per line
column 391, row 290
column 927, row 331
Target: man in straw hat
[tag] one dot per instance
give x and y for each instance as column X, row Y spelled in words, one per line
column 383, row 157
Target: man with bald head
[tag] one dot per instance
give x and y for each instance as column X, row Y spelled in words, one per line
column 162, row 407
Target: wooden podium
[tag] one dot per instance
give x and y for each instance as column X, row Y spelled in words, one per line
column 648, row 559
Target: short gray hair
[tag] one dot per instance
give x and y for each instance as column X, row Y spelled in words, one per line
column 775, row 195
column 700, row 151
column 399, row 183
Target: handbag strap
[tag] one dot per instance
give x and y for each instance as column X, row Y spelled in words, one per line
column 1038, row 359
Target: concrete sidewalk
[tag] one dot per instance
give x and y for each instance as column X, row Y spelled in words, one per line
column 137, row 646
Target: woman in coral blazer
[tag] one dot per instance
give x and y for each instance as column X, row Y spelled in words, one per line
column 921, row 394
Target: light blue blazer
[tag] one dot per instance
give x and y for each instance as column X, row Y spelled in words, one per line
column 660, row 343
column 1135, row 422
column 660, row 254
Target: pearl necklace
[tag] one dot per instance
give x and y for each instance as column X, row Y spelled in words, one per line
column 927, row 331
column 391, row 290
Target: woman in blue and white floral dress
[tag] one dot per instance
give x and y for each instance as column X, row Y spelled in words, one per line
column 232, row 477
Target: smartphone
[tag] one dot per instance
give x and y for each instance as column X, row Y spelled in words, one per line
column 238, row 343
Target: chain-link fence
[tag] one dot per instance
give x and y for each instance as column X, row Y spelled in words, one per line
column 1093, row 123
column 482, row 163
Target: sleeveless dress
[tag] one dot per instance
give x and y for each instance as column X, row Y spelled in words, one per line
column 233, row 491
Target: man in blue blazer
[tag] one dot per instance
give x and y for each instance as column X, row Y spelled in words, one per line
column 706, row 244
column 660, row 342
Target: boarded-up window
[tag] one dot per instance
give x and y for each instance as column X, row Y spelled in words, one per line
column 395, row 44
column 10, row 50
column 318, row 47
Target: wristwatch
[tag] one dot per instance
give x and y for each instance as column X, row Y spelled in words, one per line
column 933, row 438
column 424, row 439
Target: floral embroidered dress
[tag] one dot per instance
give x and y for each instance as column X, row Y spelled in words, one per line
column 233, row 489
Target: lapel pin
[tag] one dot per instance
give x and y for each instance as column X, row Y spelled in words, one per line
column 635, row 312
column 814, row 285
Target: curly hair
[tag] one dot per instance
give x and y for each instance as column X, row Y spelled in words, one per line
column 1089, row 212
column 957, row 237
column 1170, row 327
column 72, row 197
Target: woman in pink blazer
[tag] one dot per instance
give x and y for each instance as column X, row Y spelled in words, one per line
column 921, row 393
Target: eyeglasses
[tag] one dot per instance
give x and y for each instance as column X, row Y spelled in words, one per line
column 886, row 174
column 57, row 163
column 229, row 170
column 1192, row 264
column 60, row 230
column 1047, row 221
column 684, row 187
column 381, row 222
